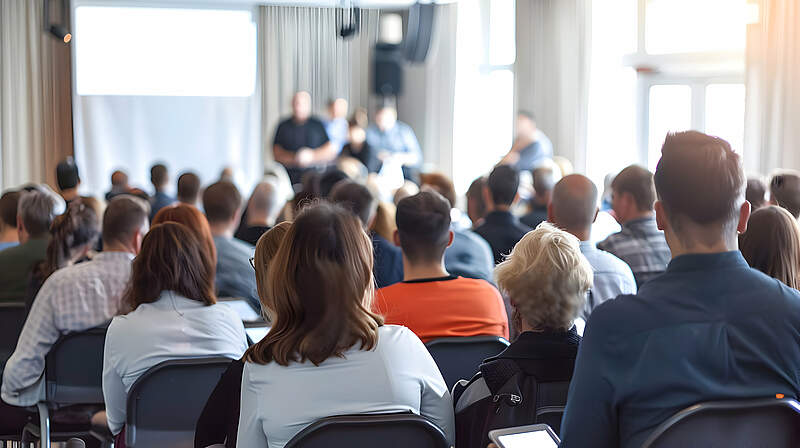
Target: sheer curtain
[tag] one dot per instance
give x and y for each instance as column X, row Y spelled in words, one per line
column 35, row 96
column 552, row 71
column 772, row 137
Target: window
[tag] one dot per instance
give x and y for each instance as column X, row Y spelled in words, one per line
column 670, row 110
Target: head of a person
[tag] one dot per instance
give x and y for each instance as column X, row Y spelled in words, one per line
column 573, row 207
column 771, row 244
column 784, row 191
column 263, row 204
column 502, row 186
column 633, row 193
column 159, row 176
column 407, row 189
column 226, row 174
column 9, row 204
column 125, row 222
column 222, row 203
column 423, row 228
column 188, row 188
column 476, row 201
column 171, row 261
column 266, row 248
column 321, row 291
column 357, row 199
column 301, row 106
column 756, row 193
column 544, row 180
column 119, row 180
column 329, row 180
column 73, row 234
column 701, row 185
column 67, row 175
column 354, row 169
column 546, row 279
column 526, row 123
column 193, row 219
column 35, row 214
column 441, row 184
column 356, row 134
column 337, row 108
column 386, row 117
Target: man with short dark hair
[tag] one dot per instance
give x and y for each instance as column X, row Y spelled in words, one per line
column 35, row 213
column 388, row 261
column 301, row 142
column 500, row 228
column 430, row 301
column 235, row 277
column 189, row 188
column 476, row 201
column 260, row 215
column 544, row 180
column 74, row 298
column 119, row 185
column 9, row 203
column 784, row 190
column 159, row 177
column 68, row 179
column 640, row 243
column 709, row 328
column 573, row 208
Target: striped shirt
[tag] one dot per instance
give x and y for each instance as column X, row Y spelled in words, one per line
column 642, row 246
column 75, row 298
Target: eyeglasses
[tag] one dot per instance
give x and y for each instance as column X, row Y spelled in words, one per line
column 253, row 262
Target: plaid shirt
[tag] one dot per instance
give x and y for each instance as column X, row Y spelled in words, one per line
column 75, row 298
column 642, row 246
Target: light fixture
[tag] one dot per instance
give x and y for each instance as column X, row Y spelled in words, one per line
column 61, row 33
column 59, row 30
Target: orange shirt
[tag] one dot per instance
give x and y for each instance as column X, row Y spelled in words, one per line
column 444, row 307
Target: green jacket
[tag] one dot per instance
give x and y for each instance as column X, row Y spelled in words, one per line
column 16, row 264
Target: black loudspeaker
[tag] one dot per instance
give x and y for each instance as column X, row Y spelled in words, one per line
column 387, row 70
column 419, row 31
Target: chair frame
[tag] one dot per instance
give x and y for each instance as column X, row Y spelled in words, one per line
column 368, row 420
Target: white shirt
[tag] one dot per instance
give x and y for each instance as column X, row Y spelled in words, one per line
column 173, row 327
column 398, row 375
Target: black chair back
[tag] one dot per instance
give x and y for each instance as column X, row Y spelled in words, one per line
column 377, row 430
column 74, row 369
column 166, row 401
column 459, row 358
column 768, row 422
column 12, row 319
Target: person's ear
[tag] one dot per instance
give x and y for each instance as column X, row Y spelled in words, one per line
column 396, row 238
column 551, row 217
column 20, row 226
column 596, row 212
column 662, row 220
column 450, row 240
column 138, row 236
column 487, row 198
column 744, row 217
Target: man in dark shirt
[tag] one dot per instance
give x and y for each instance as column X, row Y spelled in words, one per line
column 260, row 213
column 159, row 177
column 709, row 328
column 301, row 142
column 501, row 229
column 543, row 183
column 68, row 179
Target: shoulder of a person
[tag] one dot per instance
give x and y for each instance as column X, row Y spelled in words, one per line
column 612, row 315
column 396, row 334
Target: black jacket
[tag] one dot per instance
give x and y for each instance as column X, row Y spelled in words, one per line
column 502, row 230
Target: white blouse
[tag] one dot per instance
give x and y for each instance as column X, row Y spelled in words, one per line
column 173, row 327
column 398, row 375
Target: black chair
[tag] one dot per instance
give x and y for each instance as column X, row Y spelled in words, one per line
column 166, row 401
column 771, row 422
column 383, row 430
column 12, row 319
column 73, row 378
column 459, row 358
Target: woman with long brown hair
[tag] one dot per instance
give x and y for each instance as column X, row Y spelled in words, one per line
column 172, row 314
column 192, row 218
column 327, row 353
column 771, row 244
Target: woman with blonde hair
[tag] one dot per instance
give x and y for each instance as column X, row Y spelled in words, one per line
column 546, row 278
column 327, row 353
column 771, row 244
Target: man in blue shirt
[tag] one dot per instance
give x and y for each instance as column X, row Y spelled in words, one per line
column 395, row 140
column 709, row 328
column 531, row 146
column 336, row 126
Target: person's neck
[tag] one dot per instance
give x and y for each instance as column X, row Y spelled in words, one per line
column 9, row 235
column 116, row 246
column 422, row 271
column 70, row 194
column 223, row 229
column 160, row 189
column 501, row 208
column 581, row 234
column 257, row 219
column 542, row 200
column 678, row 248
column 640, row 215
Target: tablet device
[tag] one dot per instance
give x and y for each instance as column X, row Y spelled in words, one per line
column 531, row 436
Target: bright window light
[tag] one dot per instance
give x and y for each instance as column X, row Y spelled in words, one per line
column 685, row 26
column 670, row 111
column 725, row 113
column 164, row 52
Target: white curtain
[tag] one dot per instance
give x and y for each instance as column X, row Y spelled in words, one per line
column 772, row 134
column 299, row 49
column 552, row 71
column 35, row 106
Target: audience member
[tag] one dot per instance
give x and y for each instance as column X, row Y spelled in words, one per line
column 9, row 203
column 547, row 279
column 35, row 213
column 388, row 259
column 543, row 182
column 354, row 169
column 708, row 329
column 395, row 141
column 261, row 212
column 223, row 206
column 640, row 243
column 195, row 221
column 336, row 124
column 227, row 175
column 159, row 177
column 573, row 209
column 477, row 208
column 784, row 190
column 325, row 346
column 384, row 224
column 500, row 228
column 430, row 301
column 75, row 298
column 301, row 142
column 359, row 148
column 189, row 189
column 219, row 421
column 119, row 185
column 68, row 179
column 771, row 244
column 172, row 314
column 756, row 193
column 531, row 146
column 329, row 179
column 406, row 190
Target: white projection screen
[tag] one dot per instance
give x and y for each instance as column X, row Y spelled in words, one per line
column 171, row 85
